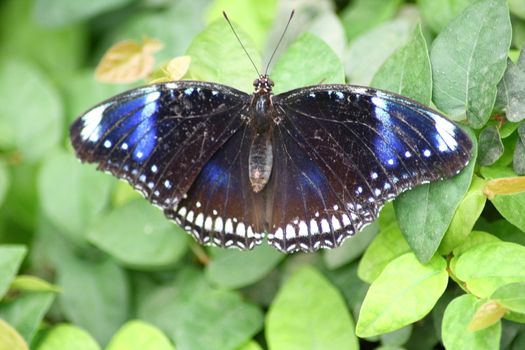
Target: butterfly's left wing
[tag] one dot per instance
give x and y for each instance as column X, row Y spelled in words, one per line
column 159, row 137
column 343, row 151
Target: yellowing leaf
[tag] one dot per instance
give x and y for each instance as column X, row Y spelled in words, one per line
column 128, row 61
column 506, row 185
column 486, row 315
column 175, row 69
column 10, row 339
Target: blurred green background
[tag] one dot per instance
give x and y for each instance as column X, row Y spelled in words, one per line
column 109, row 257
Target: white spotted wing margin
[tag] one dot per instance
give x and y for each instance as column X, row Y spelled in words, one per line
column 343, row 152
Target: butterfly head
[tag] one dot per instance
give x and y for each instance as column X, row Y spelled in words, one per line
column 263, row 84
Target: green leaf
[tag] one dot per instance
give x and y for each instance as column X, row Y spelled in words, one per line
column 403, row 293
column 455, row 322
column 175, row 27
column 309, row 313
column 349, row 284
column 475, row 238
column 217, row 56
column 424, row 213
column 518, row 159
column 253, row 16
column 57, row 13
column 67, row 337
column 233, row 269
column 378, row 43
column 328, row 27
column 138, row 235
column 26, row 311
column 4, row 181
column 438, row 14
column 32, row 284
column 362, row 15
column 397, row 337
column 407, row 72
column 139, row 335
column 72, row 194
column 486, row 267
column 510, row 206
column 511, row 296
column 251, row 345
column 94, row 296
column 517, row 8
column 511, row 92
column 10, row 339
column 58, row 51
column 307, row 61
column 351, row 248
column 41, row 119
column 216, row 320
column 466, row 215
column 387, row 246
column 11, row 257
column 468, row 60
column 490, row 146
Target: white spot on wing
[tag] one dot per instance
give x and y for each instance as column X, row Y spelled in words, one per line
column 91, row 124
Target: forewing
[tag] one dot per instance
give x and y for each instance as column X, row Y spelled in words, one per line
column 159, row 137
column 351, row 149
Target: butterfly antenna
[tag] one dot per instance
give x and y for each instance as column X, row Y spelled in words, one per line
column 279, row 42
column 240, row 42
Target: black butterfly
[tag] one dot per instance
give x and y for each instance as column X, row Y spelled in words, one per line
column 309, row 167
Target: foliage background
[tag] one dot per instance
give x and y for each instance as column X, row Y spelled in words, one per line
column 85, row 263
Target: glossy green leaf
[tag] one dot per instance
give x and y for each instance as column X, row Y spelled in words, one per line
column 26, row 312
column 253, row 16
column 424, row 213
column 11, row 257
column 10, row 339
column 67, row 337
column 309, row 313
column 362, row 15
column 403, row 293
column 511, row 296
column 407, row 72
column 41, row 119
column 95, row 296
column 397, row 337
column 307, row 61
column 490, row 146
column 252, row 345
column 486, row 267
column 465, row 217
column 233, row 269
column 387, row 246
column 468, row 60
column 455, row 322
column 217, row 56
column 56, row 13
column 139, row 335
column 4, row 181
column 352, row 248
column 437, row 14
column 475, row 238
column 510, row 206
column 72, row 194
column 378, row 43
column 138, row 235
column 216, row 320
column 328, row 27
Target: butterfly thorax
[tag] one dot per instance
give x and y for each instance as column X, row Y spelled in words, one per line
column 261, row 152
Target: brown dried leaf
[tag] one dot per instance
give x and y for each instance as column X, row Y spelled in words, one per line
column 505, row 185
column 128, row 61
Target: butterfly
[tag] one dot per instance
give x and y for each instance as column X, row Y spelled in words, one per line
column 307, row 168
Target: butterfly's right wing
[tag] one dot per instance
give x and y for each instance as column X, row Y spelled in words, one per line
column 159, row 137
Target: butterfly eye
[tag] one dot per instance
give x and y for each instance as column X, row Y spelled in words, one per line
column 256, row 82
column 271, row 82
